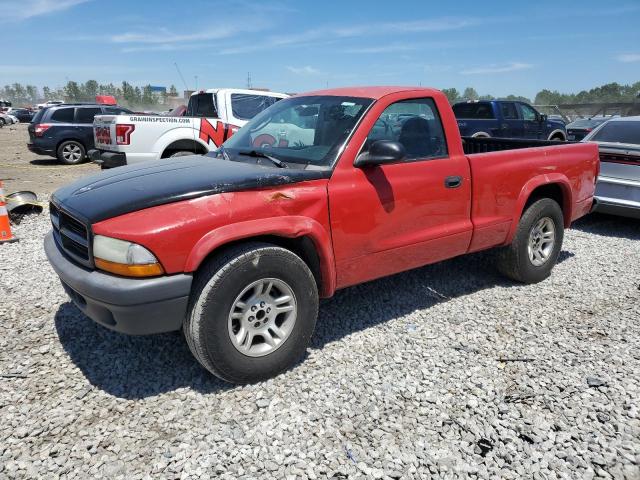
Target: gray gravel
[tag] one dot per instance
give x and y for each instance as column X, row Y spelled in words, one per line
column 403, row 379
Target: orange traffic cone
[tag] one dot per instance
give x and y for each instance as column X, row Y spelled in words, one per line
column 5, row 226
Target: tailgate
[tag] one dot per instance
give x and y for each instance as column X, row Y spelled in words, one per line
column 104, row 132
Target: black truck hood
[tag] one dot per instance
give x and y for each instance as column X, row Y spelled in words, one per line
column 157, row 182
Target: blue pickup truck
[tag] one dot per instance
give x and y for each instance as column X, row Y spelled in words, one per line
column 506, row 119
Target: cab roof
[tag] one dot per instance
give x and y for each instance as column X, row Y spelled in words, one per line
column 369, row 92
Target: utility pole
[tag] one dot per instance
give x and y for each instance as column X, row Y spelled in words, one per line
column 249, row 85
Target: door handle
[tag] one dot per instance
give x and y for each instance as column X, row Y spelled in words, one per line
column 452, row 182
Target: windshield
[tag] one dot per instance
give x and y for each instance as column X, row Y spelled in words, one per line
column 619, row 132
column 308, row 130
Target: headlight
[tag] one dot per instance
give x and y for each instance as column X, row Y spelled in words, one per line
column 124, row 258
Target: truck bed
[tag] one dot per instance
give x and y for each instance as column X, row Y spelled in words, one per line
column 473, row 145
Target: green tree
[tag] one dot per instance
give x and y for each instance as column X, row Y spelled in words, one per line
column 72, row 92
column 128, row 94
column 173, row 91
column 470, row 94
column 452, row 94
column 90, row 90
column 147, row 96
column 32, row 93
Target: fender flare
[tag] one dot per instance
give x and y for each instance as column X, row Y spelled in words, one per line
column 556, row 131
column 538, row 181
column 287, row 227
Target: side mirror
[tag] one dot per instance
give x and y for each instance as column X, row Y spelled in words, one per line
column 543, row 117
column 381, row 152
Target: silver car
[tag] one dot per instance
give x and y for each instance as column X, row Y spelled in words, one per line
column 618, row 187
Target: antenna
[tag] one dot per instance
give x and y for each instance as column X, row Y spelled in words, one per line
column 182, row 77
column 195, row 143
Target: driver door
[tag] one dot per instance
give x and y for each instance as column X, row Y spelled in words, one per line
column 393, row 217
column 532, row 123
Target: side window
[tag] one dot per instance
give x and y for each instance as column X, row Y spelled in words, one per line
column 473, row 110
column 509, row 111
column 62, row 115
column 85, row 115
column 528, row 113
column 246, row 106
column 415, row 124
column 201, row 105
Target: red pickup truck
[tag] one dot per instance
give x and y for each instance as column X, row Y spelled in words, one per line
column 319, row 192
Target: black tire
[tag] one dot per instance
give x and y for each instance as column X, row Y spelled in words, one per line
column 514, row 261
column 182, row 153
column 71, row 153
column 217, row 286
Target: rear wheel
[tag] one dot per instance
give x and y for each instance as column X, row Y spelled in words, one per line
column 252, row 312
column 536, row 245
column 71, row 152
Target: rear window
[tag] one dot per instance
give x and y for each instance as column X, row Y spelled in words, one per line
column 201, row 105
column 482, row 111
column 85, row 115
column 246, row 106
column 62, row 115
column 619, row 132
column 117, row 111
column 36, row 118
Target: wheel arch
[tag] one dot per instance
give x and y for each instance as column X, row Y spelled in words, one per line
column 184, row 145
column 481, row 135
column 558, row 133
column 555, row 187
column 303, row 236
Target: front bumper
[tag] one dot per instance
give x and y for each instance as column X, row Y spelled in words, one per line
column 126, row 305
column 107, row 159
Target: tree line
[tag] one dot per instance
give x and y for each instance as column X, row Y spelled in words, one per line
column 133, row 96
column 126, row 94
column 610, row 92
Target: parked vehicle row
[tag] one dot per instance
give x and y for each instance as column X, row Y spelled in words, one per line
column 316, row 193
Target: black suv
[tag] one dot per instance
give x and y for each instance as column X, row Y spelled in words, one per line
column 66, row 131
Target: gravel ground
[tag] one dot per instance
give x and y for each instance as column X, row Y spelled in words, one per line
column 403, row 379
column 23, row 170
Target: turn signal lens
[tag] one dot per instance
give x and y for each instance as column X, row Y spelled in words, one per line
column 148, row 270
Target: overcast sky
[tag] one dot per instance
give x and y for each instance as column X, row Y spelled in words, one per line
column 498, row 47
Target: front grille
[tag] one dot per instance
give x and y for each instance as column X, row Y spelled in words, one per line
column 72, row 235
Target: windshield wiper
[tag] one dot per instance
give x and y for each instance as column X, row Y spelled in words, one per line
column 256, row 154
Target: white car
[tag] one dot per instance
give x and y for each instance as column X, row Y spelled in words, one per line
column 6, row 119
column 211, row 117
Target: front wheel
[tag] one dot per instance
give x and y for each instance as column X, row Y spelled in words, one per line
column 536, row 245
column 252, row 312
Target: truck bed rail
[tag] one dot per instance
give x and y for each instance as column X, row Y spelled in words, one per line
column 473, row 145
